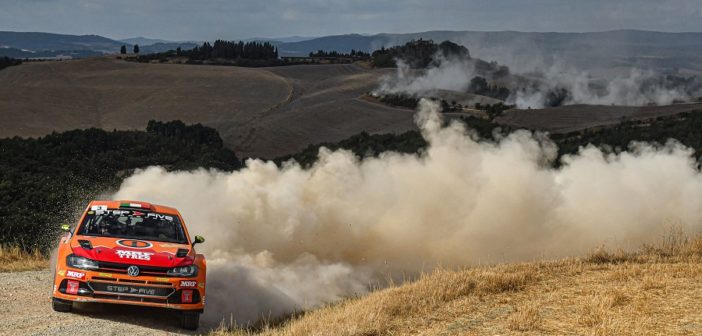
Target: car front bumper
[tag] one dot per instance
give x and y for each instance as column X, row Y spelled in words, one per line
column 95, row 286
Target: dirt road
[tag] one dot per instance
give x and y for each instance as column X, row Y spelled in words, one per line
column 25, row 309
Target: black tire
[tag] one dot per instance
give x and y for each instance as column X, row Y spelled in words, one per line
column 62, row 306
column 189, row 320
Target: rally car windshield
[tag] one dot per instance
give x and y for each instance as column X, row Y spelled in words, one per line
column 133, row 224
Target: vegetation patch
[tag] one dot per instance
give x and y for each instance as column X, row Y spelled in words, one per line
column 15, row 259
column 7, row 62
column 221, row 52
column 48, row 180
column 417, row 53
column 685, row 128
column 569, row 296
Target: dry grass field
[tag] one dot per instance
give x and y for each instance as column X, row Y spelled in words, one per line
column 571, row 118
column 38, row 98
column 260, row 112
column 14, row 259
column 654, row 291
column 326, row 106
column 263, row 112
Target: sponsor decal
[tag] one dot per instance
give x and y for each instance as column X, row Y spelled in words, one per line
column 113, row 212
column 163, row 279
column 98, row 209
column 136, row 255
column 169, row 245
column 130, row 213
column 186, row 296
column 201, row 285
column 107, row 275
column 131, row 290
column 188, row 283
column 75, row 275
column 72, row 287
column 159, row 216
column 137, row 244
column 61, row 272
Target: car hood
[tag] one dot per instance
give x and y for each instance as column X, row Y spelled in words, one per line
column 132, row 251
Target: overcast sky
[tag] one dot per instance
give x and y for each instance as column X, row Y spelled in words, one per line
column 230, row 19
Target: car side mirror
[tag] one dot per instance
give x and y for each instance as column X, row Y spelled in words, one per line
column 198, row 240
column 65, row 228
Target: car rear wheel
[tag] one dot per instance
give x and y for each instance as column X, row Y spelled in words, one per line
column 189, row 320
column 62, row 306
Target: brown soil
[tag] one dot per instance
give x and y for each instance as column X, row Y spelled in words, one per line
column 578, row 117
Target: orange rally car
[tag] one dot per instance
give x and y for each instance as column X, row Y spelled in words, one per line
column 135, row 253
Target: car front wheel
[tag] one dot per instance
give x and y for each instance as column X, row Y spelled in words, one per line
column 189, row 320
column 63, row 306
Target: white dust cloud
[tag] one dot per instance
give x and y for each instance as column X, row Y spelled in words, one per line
column 453, row 74
column 282, row 239
column 635, row 88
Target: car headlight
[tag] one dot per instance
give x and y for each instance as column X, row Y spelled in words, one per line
column 80, row 262
column 184, row 271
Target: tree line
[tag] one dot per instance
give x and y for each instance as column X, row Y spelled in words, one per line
column 479, row 85
column 685, row 128
column 417, row 53
column 422, row 54
column 222, row 52
column 355, row 54
column 231, row 50
column 46, row 181
column 7, row 62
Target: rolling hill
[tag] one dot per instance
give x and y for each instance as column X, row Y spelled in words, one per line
column 31, row 41
column 265, row 112
column 526, row 50
column 522, row 51
column 47, row 45
column 570, row 118
column 259, row 112
column 140, row 40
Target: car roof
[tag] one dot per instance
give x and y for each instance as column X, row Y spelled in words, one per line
column 115, row 204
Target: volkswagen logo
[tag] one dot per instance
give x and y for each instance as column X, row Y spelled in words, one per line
column 133, row 270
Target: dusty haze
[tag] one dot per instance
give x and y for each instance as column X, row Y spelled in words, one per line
column 633, row 87
column 452, row 74
column 636, row 87
column 280, row 239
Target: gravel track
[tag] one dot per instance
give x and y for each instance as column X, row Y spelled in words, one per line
column 25, row 309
